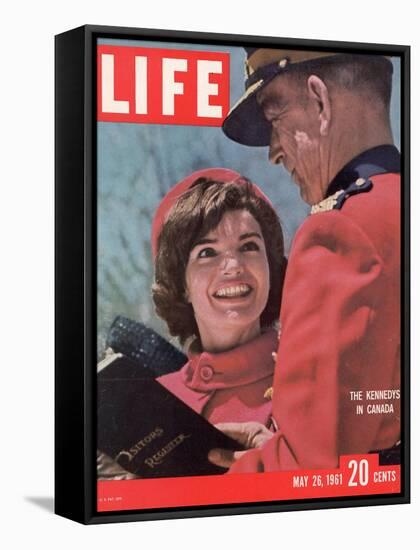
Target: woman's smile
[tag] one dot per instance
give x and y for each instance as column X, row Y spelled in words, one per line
column 233, row 291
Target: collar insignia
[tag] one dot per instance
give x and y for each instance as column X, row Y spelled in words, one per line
column 268, row 394
column 336, row 201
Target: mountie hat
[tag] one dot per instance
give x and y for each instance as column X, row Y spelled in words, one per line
column 245, row 122
column 224, row 175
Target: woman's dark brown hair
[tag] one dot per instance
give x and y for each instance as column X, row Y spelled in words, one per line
column 196, row 212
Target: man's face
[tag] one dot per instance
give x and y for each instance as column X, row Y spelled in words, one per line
column 295, row 136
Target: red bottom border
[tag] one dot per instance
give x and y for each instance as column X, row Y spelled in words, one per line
column 357, row 475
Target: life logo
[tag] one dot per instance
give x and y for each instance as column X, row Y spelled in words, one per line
column 162, row 86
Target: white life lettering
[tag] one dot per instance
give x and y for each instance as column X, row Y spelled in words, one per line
column 141, row 85
column 205, row 89
column 170, row 87
column 109, row 103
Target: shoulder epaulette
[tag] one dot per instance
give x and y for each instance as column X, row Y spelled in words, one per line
column 336, row 201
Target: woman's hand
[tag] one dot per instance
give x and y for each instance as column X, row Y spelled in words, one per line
column 252, row 435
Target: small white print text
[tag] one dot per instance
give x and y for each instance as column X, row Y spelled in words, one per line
column 357, row 473
column 375, row 401
column 317, row 480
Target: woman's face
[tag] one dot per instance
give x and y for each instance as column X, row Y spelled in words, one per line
column 228, row 279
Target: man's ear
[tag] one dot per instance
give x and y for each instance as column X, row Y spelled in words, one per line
column 318, row 91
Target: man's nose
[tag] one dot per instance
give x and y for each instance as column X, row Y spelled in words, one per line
column 231, row 264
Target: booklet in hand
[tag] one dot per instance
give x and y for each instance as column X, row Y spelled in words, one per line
column 149, row 431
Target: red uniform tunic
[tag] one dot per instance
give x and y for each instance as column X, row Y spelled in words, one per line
column 340, row 323
column 228, row 386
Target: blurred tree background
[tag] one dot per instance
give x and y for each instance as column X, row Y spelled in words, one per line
column 137, row 165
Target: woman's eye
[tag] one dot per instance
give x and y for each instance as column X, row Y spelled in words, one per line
column 206, row 253
column 250, row 245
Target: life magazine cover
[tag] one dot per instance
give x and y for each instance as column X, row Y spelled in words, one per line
column 248, row 275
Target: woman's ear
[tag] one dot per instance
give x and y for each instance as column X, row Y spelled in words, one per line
column 318, row 91
column 187, row 296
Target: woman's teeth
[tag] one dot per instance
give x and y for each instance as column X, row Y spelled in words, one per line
column 233, row 291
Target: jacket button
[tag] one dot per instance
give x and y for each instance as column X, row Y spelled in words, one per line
column 206, row 373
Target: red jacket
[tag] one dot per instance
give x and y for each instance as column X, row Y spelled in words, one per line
column 228, row 386
column 340, row 322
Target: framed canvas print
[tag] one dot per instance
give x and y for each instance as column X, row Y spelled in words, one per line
column 232, row 268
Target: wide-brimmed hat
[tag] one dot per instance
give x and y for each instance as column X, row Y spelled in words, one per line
column 245, row 122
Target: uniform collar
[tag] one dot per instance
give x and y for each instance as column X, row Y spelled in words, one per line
column 242, row 365
column 378, row 160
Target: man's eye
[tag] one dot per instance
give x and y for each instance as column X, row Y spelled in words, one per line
column 276, row 120
column 273, row 116
column 206, row 253
column 250, row 245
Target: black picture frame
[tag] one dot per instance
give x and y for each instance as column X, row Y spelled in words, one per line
column 75, row 273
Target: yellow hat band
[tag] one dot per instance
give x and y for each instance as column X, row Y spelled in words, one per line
column 265, row 56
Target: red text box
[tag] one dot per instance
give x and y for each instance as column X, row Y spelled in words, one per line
column 162, row 86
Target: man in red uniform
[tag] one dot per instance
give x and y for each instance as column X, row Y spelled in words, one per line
column 325, row 117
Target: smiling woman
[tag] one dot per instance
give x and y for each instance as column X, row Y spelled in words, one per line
column 228, row 281
column 219, row 268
